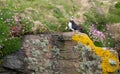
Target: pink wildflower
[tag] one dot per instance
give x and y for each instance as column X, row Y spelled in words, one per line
column 16, row 18
column 95, row 34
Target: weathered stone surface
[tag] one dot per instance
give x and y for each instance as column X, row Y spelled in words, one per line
column 37, row 53
column 9, row 63
column 52, row 54
column 90, row 63
column 109, row 57
column 14, row 62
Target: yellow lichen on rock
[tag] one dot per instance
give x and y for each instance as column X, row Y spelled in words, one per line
column 110, row 61
column 83, row 38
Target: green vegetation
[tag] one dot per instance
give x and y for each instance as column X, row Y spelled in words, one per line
column 29, row 11
column 27, row 26
column 100, row 20
column 57, row 13
column 53, row 11
column 110, row 42
column 117, row 5
column 93, row 17
column 114, row 14
column 9, row 44
column 53, row 15
column 51, row 27
column 6, row 16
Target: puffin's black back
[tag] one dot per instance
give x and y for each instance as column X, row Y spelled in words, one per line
column 77, row 27
column 74, row 25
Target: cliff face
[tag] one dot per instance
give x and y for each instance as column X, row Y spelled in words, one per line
column 109, row 57
column 57, row 53
column 43, row 54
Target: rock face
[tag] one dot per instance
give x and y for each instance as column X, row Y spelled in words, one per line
column 38, row 54
column 13, row 63
column 16, row 64
column 109, row 58
column 90, row 63
column 52, row 54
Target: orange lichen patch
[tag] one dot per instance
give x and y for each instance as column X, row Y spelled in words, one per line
column 49, row 47
column 107, row 59
column 110, row 61
column 83, row 38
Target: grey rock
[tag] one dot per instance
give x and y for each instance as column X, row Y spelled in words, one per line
column 14, row 61
column 90, row 62
column 53, row 54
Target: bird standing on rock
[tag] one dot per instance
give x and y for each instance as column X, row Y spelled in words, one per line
column 73, row 26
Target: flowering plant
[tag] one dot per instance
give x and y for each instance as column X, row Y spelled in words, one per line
column 96, row 35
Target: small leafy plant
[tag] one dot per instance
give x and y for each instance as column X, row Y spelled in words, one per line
column 9, row 44
column 97, row 36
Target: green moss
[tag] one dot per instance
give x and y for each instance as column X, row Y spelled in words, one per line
column 11, row 45
column 98, row 44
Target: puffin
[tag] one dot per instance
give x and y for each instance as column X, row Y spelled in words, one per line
column 72, row 26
